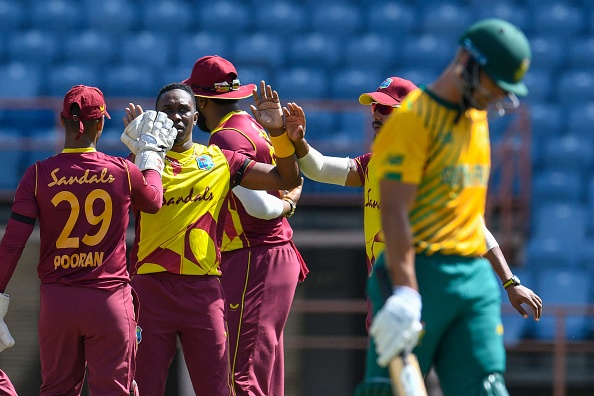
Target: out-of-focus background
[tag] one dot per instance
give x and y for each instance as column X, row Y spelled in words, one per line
column 323, row 54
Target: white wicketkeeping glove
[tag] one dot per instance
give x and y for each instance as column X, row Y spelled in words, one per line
column 149, row 137
column 396, row 327
column 6, row 340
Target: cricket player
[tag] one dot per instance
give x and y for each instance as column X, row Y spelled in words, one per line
column 87, row 318
column 261, row 265
column 433, row 164
column 357, row 172
column 176, row 255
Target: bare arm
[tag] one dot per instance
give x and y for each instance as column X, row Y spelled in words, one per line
column 313, row 164
column 517, row 295
column 397, row 199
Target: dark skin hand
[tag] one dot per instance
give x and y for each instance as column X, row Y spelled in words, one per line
column 517, row 295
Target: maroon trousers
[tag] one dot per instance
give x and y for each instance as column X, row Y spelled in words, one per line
column 85, row 327
column 259, row 285
column 190, row 307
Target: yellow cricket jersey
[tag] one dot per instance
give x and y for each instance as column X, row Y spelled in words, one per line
column 182, row 238
column 374, row 241
column 428, row 142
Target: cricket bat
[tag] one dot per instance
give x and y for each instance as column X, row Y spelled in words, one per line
column 406, row 376
column 405, row 372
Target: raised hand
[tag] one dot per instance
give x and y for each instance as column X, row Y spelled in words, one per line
column 294, row 121
column 149, row 136
column 132, row 111
column 268, row 111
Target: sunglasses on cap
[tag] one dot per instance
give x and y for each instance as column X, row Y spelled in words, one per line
column 221, row 86
column 383, row 109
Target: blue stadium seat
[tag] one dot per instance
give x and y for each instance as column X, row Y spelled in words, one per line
column 338, row 19
column 57, row 15
column 13, row 16
column 12, row 158
column 350, row 83
column 43, row 143
column 372, row 50
column 131, row 81
column 197, row 45
column 581, row 52
column 560, row 20
column 168, row 17
column 548, row 52
column 511, row 11
column 436, row 50
column 34, row 46
column 110, row 142
column 548, row 252
column 447, row 18
column 419, row 75
column 302, row 83
column 321, row 125
column 569, row 152
column 253, row 75
column 577, row 84
column 580, row 118
column 225, row 17
column 353, row 125
column 546, row 119
column 563, row 221
column 89, row 47
column 282, row 18
column 19, row 80
column 258, row 49
column 539, row 87
column 392, row 19
column 148, row 49
column 315, row 50
column 577, row 286
column 558, row 185
column 113, row 16
column 63, row 77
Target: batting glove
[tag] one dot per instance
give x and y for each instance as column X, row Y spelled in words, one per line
column 396, row 327
column 6, row 340
column 149, row 137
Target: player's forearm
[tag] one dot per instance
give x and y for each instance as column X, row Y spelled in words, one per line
column 260, row 204
column 499, row 264
column 301, row 148
column 324, row 169
column 11, row 248
column 147, row 197
column 400, row 251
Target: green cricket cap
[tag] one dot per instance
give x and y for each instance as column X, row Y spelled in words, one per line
column 502, row 50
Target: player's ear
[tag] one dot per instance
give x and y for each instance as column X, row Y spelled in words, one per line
column 62, row 120
column 100, row 123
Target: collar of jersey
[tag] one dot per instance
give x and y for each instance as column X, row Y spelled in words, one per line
column 80, row 150
column 183, row 155
column 226, row 117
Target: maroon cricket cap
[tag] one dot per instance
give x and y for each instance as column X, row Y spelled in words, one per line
column 91, row 102
column 391, row 92
column 216, row 77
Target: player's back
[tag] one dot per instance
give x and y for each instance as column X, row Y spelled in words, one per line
column 83, row 200
column 240, row 132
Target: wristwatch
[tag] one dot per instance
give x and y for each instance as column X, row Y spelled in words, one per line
column 513, row 281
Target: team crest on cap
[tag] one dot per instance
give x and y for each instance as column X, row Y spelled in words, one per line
column 522, row 69
column 205, row 162
column 386, row 83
